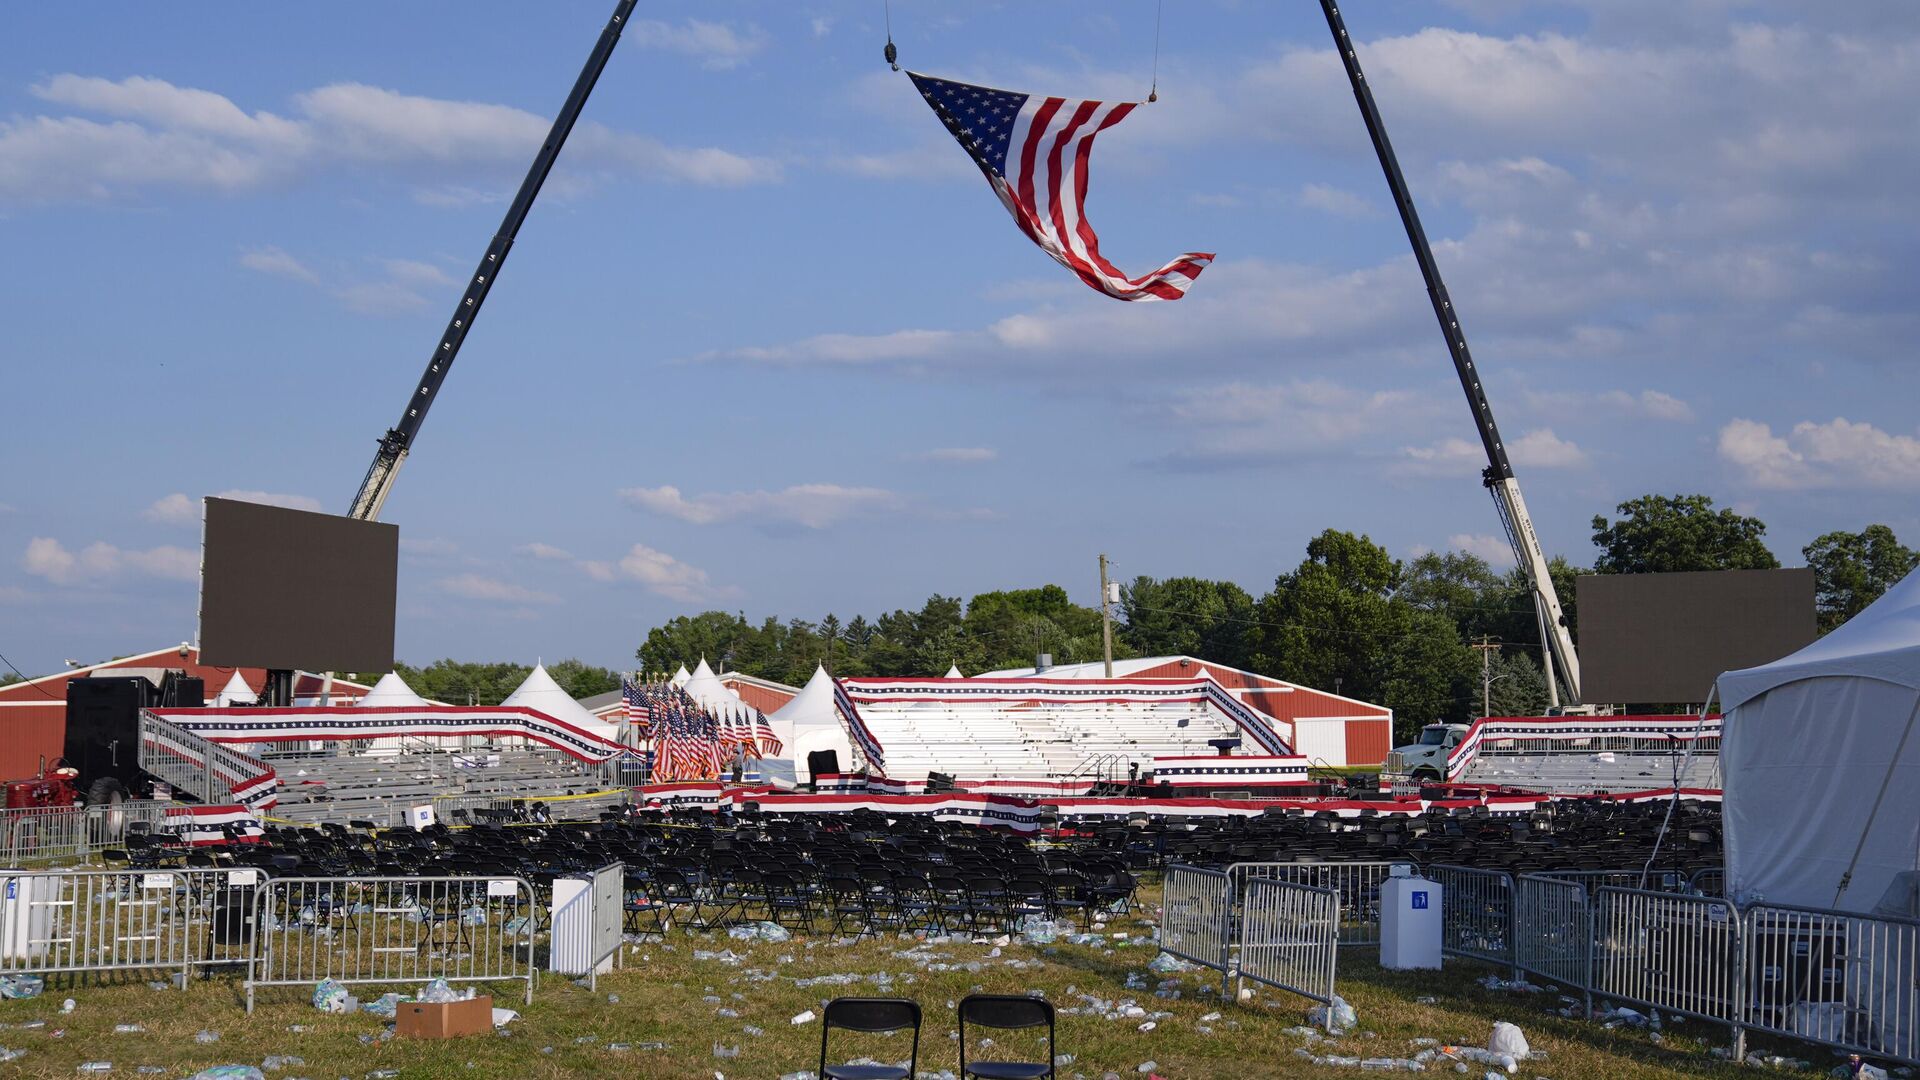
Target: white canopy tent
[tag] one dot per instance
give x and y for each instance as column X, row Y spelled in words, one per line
column 705, row 688
column 236, row 692
column 540, row 693
column 1821, row 772
column 811, row 722
column 681, row 677
column 391, row 692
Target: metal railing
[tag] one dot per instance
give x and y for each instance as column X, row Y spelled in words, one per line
column 1669, row 881
column 199, row 766
column 393, row 930
column 1357, row 883
column 1196, row 916
column 68, row 921
column 1840, row 979
column 1553, row 931
column 1290, row 938
column 1477, row 915
column 1675, row 953
column 587, row 922
column 1709, row 881
column 34, row 834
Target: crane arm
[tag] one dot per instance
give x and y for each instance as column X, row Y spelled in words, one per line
column 397, row 443
column 1498, row 475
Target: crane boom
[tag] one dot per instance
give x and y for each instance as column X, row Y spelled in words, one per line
column 1498, row 476
column 397, row 443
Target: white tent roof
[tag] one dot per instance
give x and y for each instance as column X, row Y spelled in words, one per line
column 680, row 677
column 1882, row 642
column 236, row 692
column 706, row 688
column 391, row 692
column 812, row 706
column 541, row 694
column 953, row 672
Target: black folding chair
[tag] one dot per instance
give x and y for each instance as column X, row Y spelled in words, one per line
column 873, row 1015
column 1005, row 1011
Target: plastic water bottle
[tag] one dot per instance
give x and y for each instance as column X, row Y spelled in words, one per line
column 97, row 1067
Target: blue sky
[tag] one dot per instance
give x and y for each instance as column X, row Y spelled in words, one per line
column 768, row 343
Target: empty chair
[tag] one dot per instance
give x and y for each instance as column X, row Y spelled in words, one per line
column 1005, row 1011
column 870, row 1015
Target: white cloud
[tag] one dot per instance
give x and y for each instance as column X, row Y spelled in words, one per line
column 848, row 349
column 272, row 260
column 47, row 558
column 821, row 27
column 1336, row 201
column 538, row 550
column 1494, row 549
column 1647, row 404
column 1237, row 424
column 159, row 135
column 815, row 506
column 1542, row 449
column 428, row 547
column 174, row 509
column 660, row 572
column 960, row 455
column 1838, row 454
column 718, row 46
column 492, row 590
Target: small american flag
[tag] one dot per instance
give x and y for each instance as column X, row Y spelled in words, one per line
column 763, row 731
column 1034, row 151
column 633, row 696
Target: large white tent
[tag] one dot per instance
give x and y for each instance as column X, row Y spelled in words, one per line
column 811, row 722
column 1821, row 773
column 705, row 688
column 391, row 692
column 540, row 693
column 236, row 692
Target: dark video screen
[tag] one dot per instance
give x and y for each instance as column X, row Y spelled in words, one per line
column 1664, row 638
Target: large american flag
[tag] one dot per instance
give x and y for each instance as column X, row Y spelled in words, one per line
column 1034, row 152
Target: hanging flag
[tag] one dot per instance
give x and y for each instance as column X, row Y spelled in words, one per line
column 1034, row 152
column 769, row 743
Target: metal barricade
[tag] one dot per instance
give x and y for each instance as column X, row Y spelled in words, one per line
column 1675, row 953
column 1290, row 938
column 60, row 921
column 1553, row 930
column 1478, row 918
column 1196, row 916
column 587, row 922
column 1709, row 881
column 1357, row 883
column 394, row 930
column 42, row 833
column 1836, row 978
column 1671, row 881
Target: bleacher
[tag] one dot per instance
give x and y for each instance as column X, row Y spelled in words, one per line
column 1038, row 741
column 1584, row 773
column 337, row 786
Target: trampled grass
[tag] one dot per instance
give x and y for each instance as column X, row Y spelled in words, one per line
column 665, row 995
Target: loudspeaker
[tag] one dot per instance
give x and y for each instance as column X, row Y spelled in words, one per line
column 179, row 691
column 823, row 761
column 939, row 783
column 103, row 726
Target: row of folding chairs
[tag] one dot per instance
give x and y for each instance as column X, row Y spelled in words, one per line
column 1001, row 1012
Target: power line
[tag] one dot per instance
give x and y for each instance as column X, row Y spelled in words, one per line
column 24, row 679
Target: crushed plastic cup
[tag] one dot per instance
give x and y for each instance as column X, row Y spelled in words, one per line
column 1508, row 1039
column 14, row 987
column 803, row 1018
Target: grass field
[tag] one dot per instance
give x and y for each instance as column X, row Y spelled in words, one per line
column 667, row 996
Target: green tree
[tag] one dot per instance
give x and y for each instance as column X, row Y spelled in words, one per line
column 1851, row 570
column 1187, row 616
column 1462, row 588
column 1659, row 534
column 581, row 679
column 710, row 635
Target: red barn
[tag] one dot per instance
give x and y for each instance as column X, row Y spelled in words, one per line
column 33, row 714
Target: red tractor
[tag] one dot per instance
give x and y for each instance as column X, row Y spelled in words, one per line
column 54, row 787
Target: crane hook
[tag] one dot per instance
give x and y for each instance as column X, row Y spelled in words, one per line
column 892, row 55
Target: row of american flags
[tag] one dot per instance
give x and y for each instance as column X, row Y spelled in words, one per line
column 689, row 741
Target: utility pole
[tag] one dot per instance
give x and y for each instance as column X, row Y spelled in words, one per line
column 1106, row 616
column 1486, row 646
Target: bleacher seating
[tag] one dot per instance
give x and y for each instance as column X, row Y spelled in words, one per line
column 1584, row 773
column 991, row 740
column 341, row 787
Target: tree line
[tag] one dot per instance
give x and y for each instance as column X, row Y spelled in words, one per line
column 1349, row 617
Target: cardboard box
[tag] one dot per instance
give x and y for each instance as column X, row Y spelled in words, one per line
column 446, row 1019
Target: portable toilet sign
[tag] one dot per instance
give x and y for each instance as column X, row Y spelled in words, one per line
column 420, row 817
column 1410, row 927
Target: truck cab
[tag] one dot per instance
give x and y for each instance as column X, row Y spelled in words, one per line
column 1426, row 759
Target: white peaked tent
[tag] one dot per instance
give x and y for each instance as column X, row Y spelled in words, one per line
column 1821, row 764
column 706, row 688
column 236, row 692
column 953, row 672
column 681, row 677
column 391, row 692
column 811, row 722
column 541, row 694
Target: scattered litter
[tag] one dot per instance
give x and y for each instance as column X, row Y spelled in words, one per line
column 1508, row 1039
column 753, row 1031
column 619, row 1047
column 1040, row 930
column 721, row 1051
column 1343, row 1016
column 11, row 1055
column 387, row 1005
column 128, row 1029
column 67, row 1006
column 804, row 1018
column 438, row 992
column 760, row 931
column 1483, row 1057
column 1495, row 982
column 1168, row 964
column 613, row 999
column 503, row 1017
column 14, row 987
column 330, row 996
column 207, row 1037
column 1147, row 1066
column 96, row 1067
column 276, row 1062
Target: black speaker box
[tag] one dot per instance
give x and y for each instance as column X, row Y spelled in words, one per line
column 823, row 761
